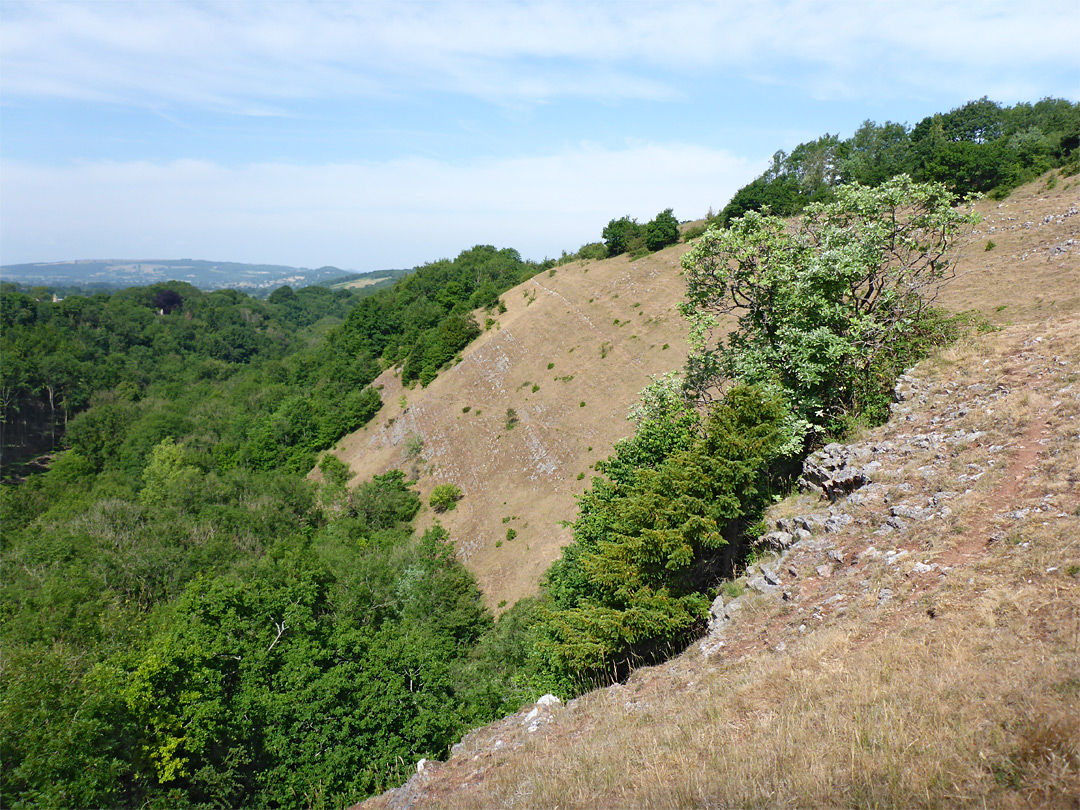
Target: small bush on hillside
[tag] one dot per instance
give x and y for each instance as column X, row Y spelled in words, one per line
column 334, row 470
column 444, row 497
column 414, row 445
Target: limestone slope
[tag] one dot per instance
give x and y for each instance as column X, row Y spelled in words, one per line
column 593, row 333
column 569, row 357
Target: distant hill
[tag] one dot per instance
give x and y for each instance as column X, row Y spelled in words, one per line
column 256, row 279
column 366, row 283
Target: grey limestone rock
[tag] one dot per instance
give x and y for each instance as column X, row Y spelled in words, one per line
column 778, row 540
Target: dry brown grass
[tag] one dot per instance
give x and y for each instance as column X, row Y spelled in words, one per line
column 604, row 327
column 937, row 712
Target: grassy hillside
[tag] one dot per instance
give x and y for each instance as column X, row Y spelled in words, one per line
column 920, row 649
column 570, row 355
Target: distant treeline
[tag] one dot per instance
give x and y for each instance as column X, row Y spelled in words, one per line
column 980, row 147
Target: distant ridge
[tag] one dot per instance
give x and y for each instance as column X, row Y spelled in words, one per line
column 206, row 275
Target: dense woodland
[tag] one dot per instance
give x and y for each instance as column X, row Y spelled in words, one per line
column 188, row 620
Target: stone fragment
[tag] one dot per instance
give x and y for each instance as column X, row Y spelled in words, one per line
column 778, row 540
column 838, row 522
column 909, row 512
column 770, row 575
column 761, row 585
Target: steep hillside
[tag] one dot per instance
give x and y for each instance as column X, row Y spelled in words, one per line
column 570, row 355
column 916, row 642
column 602, row 327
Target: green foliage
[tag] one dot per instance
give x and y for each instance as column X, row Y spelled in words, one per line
column 444, row 497
column 646, row 542
column 626, row 235
column 311, row 666
column 414, row 445
column 821, row 308
column 980, row 147
column 661, row 231
column 511, row 419
column 334, row 470
column 425, row 319
column 623, row 235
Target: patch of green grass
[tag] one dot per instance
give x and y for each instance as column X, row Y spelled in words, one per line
column 732, row 589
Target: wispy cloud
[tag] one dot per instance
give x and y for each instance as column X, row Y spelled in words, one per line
column 354, row 215
column 241, row 56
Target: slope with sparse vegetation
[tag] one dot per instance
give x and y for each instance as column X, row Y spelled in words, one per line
column 917, row 646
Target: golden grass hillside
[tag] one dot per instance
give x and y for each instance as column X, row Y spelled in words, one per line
column 569, row 356
column 922, row 645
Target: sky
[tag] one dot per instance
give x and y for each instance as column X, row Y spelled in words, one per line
column 370, row 135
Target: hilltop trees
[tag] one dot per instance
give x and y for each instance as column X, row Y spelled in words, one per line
column 626, row 235
column 980, row 147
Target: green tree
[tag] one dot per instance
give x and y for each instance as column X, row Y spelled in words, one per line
column 629, row 588
column 623, row 235
column 662, row 230
column 820, row 305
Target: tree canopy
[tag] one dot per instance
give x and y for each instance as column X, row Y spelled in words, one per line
column 823, row 303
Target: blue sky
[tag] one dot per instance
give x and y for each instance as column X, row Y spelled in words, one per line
column 370, row 135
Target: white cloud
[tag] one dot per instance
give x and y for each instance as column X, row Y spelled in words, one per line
column 353, row 215
column 238, row 55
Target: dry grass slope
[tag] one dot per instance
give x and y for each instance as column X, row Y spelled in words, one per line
column 569, row 356
column 927, row 652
